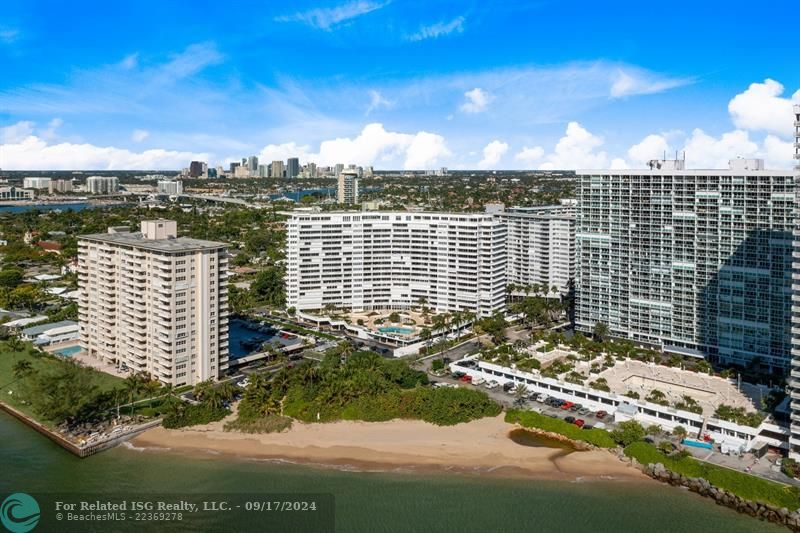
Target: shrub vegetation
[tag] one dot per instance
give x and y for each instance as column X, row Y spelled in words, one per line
column 743, row 485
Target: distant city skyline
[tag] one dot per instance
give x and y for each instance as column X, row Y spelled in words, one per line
column 394, row 85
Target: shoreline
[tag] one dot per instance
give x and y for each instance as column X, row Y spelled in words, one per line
column 481, row 447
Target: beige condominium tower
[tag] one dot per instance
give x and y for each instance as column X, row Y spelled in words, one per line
column 153, row 302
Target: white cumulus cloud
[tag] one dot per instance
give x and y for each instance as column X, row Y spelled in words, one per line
column 476, row 101
column 761, row 107
column 492, row 154
column 23, row 150
column 576, row 150
column 530, row 155
column 16, row 132
column 653, row 146
column 374, row 145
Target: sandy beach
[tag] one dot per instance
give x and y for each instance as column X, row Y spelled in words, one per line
column 479, row 447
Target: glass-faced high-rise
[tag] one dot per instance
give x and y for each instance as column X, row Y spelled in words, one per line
column 696, row 262
column 794, row 378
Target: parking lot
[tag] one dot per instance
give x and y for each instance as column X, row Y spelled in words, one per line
column 534, row 402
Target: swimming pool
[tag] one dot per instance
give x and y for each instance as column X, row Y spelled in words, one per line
column 396, row 329
column 69, row 351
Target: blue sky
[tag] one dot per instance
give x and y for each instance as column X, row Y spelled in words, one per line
column 395, row 84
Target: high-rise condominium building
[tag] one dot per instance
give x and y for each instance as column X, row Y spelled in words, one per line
column 794, row 376
column 36, row 183
column 60, row 186
column 263, row 171
column 347, row 189
column 395, row 260
column 541, row 247
column 171, row 187
column 697, row 262
column 292, row 167
column 154, row 302
column 276, row 169
column 102, row 184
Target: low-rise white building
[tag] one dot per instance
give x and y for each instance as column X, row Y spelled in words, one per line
column 395, row 260
column 15, row 193
column 55, row 332
column 731, row 435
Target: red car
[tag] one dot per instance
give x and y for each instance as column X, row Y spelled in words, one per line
column 601, row 414
column 466, row 378
column 579, row 422
column 567, row 405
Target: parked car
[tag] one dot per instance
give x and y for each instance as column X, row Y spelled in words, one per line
column 569, row 419
column 466, row 378
column 575, row 407
column 584, row 411
column 600, row 425
column 508, row 385
column 458, row 374
column 566, row 405
column 601, row 414
column 244, row 383
column 580, row 422
column 492, row 384
column 477, row 380
column 587, row 426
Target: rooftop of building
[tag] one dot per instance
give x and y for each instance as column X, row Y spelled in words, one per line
column 677, row 167
column 44, row 328
column 157, row 235
column 300, row 213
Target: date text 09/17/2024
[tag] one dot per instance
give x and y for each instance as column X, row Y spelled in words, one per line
column 187, row 507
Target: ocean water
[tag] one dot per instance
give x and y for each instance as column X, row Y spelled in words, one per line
column 366, row 502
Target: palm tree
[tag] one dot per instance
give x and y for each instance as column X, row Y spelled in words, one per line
column 133, row 385
column 22, row 369
column 171, row 402
column 426, row 336
column 600, row 331
column 213, row 398
column 520, row 392
column 15, row 344
column 151, row 387
column 201, row 389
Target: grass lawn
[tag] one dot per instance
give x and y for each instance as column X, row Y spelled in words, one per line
column 743, row 485
column 8, row 383
column 532, row 419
